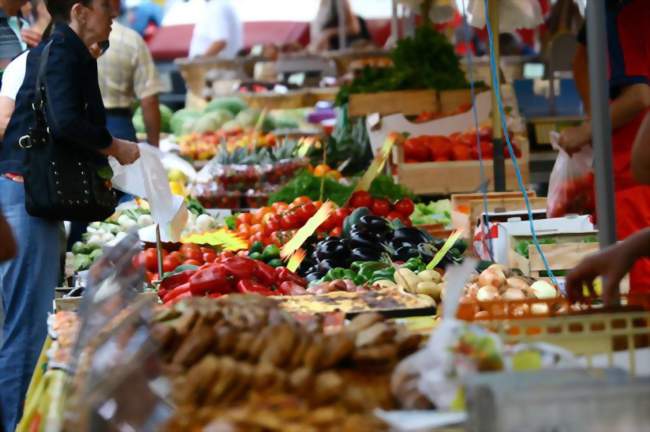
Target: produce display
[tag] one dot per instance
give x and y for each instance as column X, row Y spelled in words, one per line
column 204, row 146
column 425, row 61
column 243, row 363
column 455, row 147
column 433, row 213
column 227, row 274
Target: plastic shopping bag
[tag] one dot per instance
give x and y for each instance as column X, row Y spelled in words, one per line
column 571, row 186
column 513, row 14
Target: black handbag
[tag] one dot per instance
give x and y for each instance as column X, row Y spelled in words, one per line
column 62, row 180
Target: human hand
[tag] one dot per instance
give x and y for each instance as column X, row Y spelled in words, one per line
column 612, row 264
column 575, row 138
column 31, row 37
column 126, row 152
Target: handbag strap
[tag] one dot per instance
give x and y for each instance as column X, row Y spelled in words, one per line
column 40, row 78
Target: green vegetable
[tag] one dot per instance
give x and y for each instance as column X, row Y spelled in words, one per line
column 270, row 252
column 307, row 184
column 194, row 206
column 258, row 246
column 359, row 280
column 81, row 262
column 231, row 222
column 385, row 274
column 79, row 248
column 233, row 105
column 94, row 255
column 367, row 269
column 416, row 264
column 334, row 274
column 255, row 256
column 275, row 262
column 435, row 212
column 425, row 61
column 181, row 121
column 384, row 186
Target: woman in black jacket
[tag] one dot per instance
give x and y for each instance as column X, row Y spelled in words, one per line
column 76, row 117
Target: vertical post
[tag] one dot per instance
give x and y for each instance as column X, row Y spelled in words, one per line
column 340, row 9
column 159, row 252
column 499, row 169
column 394, row 26
column 601, row 128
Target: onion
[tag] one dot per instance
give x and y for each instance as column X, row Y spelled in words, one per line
column 498, row 267
column 539, row 309
column 514, row 294
column 515, row 282
column 521, row 310
column 472, row 290
column 496, row 278
column 487, row 293
column 481, row 315
column 543, row 290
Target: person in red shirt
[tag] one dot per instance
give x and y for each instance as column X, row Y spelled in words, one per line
column 628, row 34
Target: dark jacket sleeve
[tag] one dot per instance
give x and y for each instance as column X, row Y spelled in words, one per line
column 66, row 104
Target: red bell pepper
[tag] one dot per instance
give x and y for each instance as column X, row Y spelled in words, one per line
column 290, row 288
column 265, row 274
column 247, row 286
column 171, row 282
column 176, row 292
column 213, row 278
column 284, row 274
column 239, row 267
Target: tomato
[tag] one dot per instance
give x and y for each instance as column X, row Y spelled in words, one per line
column 461, row 153
column 244, row 218
column 406, row 221
column 380, row 207
column 405, row 207
column 394, row 215
column 318, row 204
column 279, row 206
column 290, row 220
column 305, row 211
column 336, row 232
column 415, row 149
column 192, row 262
column 258, row 236
column 244, row 230
column 170, row 263
column 194, row 254
column 301, row 200
column 150, row 259
column 150, row 276
column 177, row 255
column 187, row 248
column 209, row 256
column 361, row 199
column 257, row 228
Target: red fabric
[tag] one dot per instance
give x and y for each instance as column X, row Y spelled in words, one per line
column 632, row 215
column 634, row 37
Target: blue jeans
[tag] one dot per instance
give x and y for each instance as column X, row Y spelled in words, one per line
column 27, row 283
column 120, row 126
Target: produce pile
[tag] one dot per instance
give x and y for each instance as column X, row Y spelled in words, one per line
column 424, row 61
column 242, row 363
column 204, row 146
column 250, row 174
column 433, row 213
column 226, row 274
column 455, row 147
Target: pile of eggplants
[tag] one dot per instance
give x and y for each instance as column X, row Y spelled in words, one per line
column 370, row 239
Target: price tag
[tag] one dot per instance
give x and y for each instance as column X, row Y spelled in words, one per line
column 223, row 238
column 378, row 163
column 444, row 249
column 296, row 259
column 307, row 230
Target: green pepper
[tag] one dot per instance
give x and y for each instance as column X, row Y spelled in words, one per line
column 349, row 274
column 270, row 252
column 415, row 264
column 384, row 274
column 257, row 246
column 359, row 280
column 255, row 255
column 275, row 262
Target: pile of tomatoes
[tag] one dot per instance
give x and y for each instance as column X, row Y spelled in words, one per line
column 187, row 254
column 455, row 147
column 574, row 196
column 276, row 224
column 401, row 209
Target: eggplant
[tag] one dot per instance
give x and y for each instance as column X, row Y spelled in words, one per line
column 365, row 241
column 412, row 235
column 405, row 253
column 365, row 254
column 374, row 224
column 328, row 249
column 400, row 243
column 426, row 251
column 327, row 265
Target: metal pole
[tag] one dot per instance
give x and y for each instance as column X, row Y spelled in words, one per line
column 394, row 26
column 499, row 168
column 601, row 128
column 340, row 8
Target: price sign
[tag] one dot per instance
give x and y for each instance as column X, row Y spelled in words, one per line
column 307, row 230
column 223, row 238
column 444, row 249
column 378, row 163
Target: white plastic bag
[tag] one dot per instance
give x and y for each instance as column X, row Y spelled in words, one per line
column 571, row 185
column 513, row 14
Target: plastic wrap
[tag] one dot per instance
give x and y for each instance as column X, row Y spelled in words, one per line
column 513, row 14
column 571, row 185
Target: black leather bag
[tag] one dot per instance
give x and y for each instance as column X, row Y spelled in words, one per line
column 62, row 181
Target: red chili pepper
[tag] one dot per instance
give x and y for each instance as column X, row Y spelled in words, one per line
column 211, row 279
column 240, row 268
column 176, row 292
column 247, row 286
column 265, row 273
column 284, row 274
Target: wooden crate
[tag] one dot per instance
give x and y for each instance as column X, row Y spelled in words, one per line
column 461, row 202
column 446, row 178
column 451, row 100
column 272, row 101
column 561, row 257
column 500, row 205
column 407, row 102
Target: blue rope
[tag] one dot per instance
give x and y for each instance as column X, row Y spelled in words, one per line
column 470, row 71
column 497, row 89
